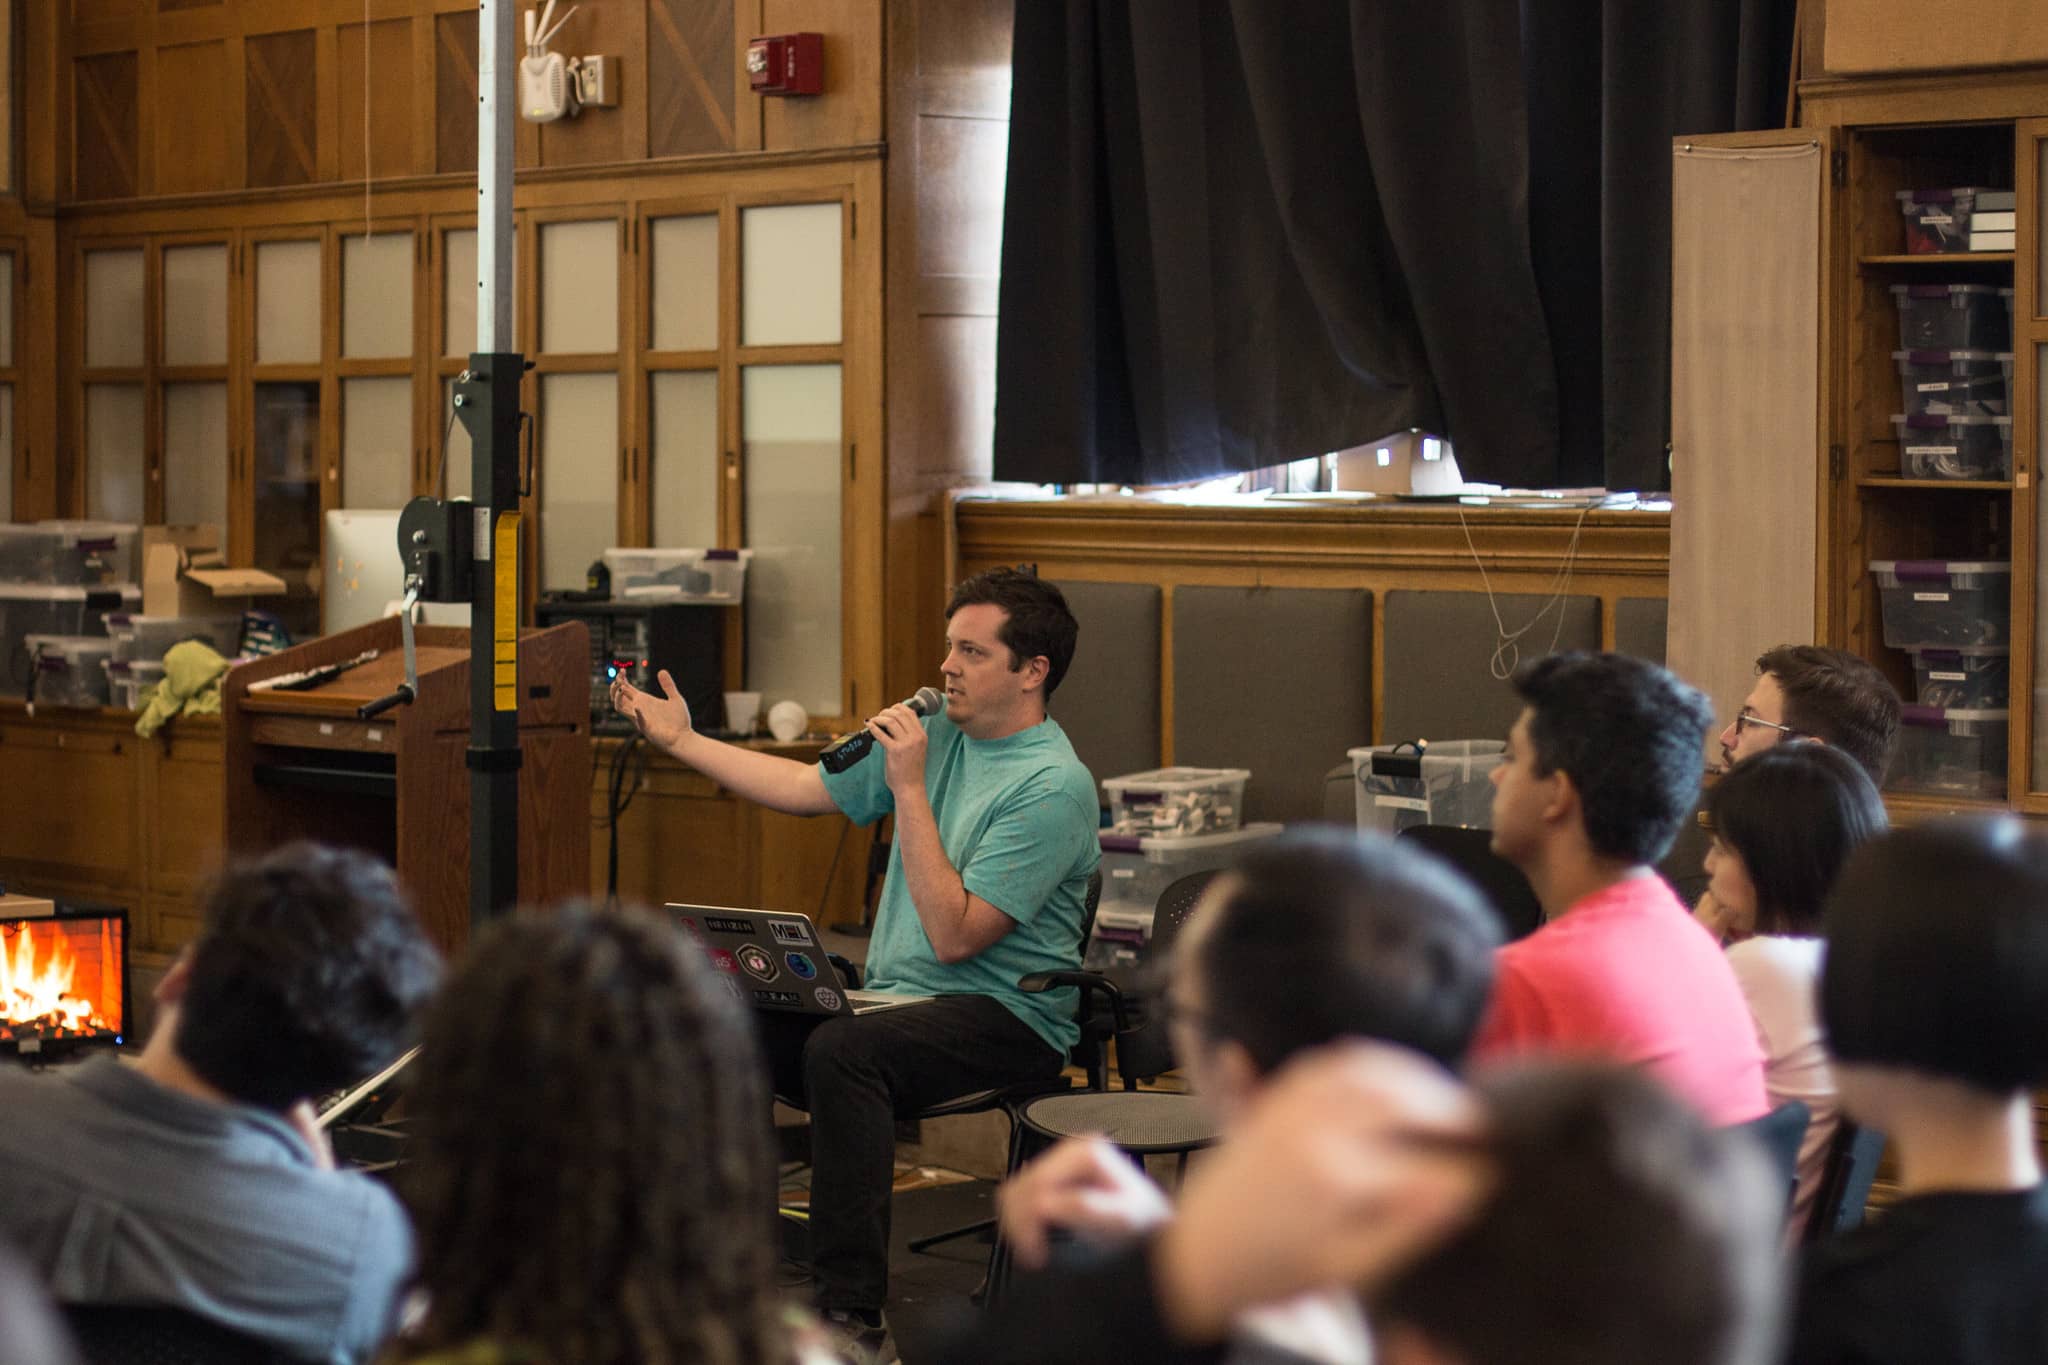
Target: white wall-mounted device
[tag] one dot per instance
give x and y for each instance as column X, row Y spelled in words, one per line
column 547, row 81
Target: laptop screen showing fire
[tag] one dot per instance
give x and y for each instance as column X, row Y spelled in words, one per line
column 63, row 982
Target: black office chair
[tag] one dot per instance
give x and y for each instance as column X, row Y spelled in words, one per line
column 1845, row 1179
column 1779, row 1134
column 110, row 1334
column 1500, row 881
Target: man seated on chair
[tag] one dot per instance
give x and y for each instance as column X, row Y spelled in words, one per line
column 1310, row 938
column 995, row 843
column 1600, row 769
column 196, row 1179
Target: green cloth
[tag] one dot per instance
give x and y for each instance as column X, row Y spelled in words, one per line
column 191, row 686
column 1017, row 818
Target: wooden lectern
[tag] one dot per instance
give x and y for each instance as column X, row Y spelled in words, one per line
column 300, row 765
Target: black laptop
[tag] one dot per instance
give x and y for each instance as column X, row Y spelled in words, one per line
column 774, row 960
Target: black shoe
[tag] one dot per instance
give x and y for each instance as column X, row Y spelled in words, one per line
column 862, row 1335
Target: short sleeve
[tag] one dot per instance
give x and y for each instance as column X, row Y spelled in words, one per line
column 862, row 791
column 1032, row 845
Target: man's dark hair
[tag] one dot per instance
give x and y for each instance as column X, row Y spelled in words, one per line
column 1038, row 621
column 594, row 1178
column 1937, row 954
column 1631, row 737
column 1621, row 1229
column 1838, row 699
column 1326, row 935
column 306, row 976
column 1794, row 813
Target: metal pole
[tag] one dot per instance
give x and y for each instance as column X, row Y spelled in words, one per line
column 490, row 393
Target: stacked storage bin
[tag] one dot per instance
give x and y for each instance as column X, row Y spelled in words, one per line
column 1953, row 618
column 1954, row 376
column 1136, row 869
column 140, row 643
column 56, row 578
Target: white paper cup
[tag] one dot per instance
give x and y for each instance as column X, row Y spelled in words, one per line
column 742, row 711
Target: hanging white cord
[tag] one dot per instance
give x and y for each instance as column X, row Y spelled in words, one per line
column 1507, row 648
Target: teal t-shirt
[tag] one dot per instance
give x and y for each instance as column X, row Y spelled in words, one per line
column 1017, row 818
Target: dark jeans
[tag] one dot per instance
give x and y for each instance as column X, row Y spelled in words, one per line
column 857, row 1075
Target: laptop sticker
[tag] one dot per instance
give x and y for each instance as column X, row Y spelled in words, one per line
column 757, row 963
column 780, row 999
column 789, row 931
column 801, row 965
column 725, row 962
column 826, row 997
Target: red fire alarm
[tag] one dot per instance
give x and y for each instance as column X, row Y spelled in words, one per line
column 787, row 64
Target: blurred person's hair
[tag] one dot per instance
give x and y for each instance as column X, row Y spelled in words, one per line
column 1794, row 813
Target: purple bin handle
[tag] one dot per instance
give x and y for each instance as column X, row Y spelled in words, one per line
column 1120, row 843
column 1924, row 716
column 1921, row 570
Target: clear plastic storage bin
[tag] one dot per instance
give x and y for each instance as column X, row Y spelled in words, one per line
column 1445, row 783
column 1137, row 870
column 1177, row 800
column 1973, row 678
column 1974, row 383
column 685, row 574
column 1944, row 603
column 1952, row 317
column 70, row 670
column 39, row 609
column 128, row 679
column 1938, row 220
column 1954, row 446
column 90, row 553
column 150, row 637
column 1950, row 752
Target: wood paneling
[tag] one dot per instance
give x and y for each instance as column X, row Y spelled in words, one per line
column 455, row 92
column 1866, row 37
column 192, row 149
column 282, row 108
column 388, row 132
column 104, row 106
column 690, row 91
column 850, row 110
column 168, row 5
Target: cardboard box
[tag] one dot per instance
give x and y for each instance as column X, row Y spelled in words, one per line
column 1405, row 462
column 185, row 574
column 13, row 906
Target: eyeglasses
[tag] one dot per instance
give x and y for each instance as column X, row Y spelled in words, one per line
column 1745, row 719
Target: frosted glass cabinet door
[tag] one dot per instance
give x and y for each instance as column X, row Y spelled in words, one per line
column 376, row 295
column 376, row 442
column 579, row 480
column 683, row 408
column 789, row 275
column 288, row 303
column 790, row 421
column 113, row 308
column 579, row 287
column 287, row 462
column 195, row 317
column 458, row 291
column 196, row 453
column 684, row 282
column 113, row 452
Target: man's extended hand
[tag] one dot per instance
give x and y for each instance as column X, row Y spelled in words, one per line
column 1356, row 1159
column 665, row 721
column 900, row 732
column 1083, row 1186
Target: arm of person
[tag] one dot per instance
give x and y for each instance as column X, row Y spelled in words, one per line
column 779, row 783
column 1083, row 1187
column 958, row 923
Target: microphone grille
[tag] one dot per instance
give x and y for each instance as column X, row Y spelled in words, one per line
column 927, row 701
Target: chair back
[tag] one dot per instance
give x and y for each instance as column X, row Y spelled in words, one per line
column 1779, row 1134
column 1145, row 1049
column 111, row 1334
column 1500, row 881
column 1845, row 1178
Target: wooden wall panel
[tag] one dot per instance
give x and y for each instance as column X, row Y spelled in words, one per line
column 104, row 107
column 455, row 92
column 690, row 93
column 102, row 11
column 192, row 151
column 168, row 5
column 1876, row 37
column 850, row 110
column 388, row 134
column 283, row 108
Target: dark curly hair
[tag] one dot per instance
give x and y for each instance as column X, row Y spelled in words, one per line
column 307, row 975
column 595, row 1178
column 1838, row 699
column 1631, row 737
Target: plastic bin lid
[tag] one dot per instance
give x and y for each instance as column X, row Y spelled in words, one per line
column 1961, row 652
column 74, row 592
column 1950, row 357
column 140, row 668
column 90, row 532
column 1934, row 421
column 1943, row 716
column 68, row 644
column 1937, row 196
column 1185, row 843
column 1939, row 568
column 1935, row 291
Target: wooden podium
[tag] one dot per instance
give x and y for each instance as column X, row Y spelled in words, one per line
column 300, row 765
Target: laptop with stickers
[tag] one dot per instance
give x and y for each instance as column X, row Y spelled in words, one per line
column 774, row 960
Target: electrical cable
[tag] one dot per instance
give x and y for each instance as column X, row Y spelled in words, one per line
column 1507, row 648
column 629, row 757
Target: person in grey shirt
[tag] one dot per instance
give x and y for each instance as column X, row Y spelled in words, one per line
column 196, row 1178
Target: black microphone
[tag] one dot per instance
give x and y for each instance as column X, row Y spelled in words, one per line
column 844, row 753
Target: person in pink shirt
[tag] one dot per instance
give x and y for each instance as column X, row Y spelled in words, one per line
column 1601, row 768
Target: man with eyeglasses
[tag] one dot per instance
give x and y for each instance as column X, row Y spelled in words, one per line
column 1828, row 695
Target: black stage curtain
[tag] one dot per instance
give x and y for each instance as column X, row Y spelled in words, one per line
column 1240, row 232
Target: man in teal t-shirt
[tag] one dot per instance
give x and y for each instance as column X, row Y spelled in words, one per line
column 988, row 878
